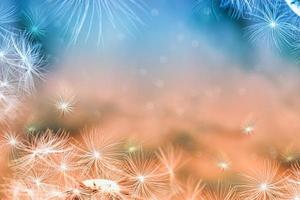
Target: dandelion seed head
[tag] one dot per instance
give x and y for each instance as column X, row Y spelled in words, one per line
column 64, row 107
column 104, row 185
column 65, row 103
column 40, row 147
column 98, row 154
column 35, row 23
column 265, row 182
column 10, row 141
column 145, row 173
column 270, row 25
column 22, row 61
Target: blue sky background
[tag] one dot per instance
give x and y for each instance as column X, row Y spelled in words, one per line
column 166, row 22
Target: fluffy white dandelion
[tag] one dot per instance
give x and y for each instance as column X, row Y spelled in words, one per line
column 9, row 98
column 88, row 18
column 98, row 154
column 27, row 61
column 266, row 182
column 292, row 191
column 21, row 62
column 145, row 176
column 38, row 149
column 270, row 26
column 64, row 168
column 65, row 104
column 9, row 141
column 172, row 160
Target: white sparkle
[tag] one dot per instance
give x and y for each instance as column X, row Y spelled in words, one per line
column 273, row 24
column 141, row 178
column 96, row 155
column 263, row 186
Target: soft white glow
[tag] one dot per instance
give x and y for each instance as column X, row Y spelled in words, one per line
column 96, row 155
column 223, row 165
column 63, row 167
column 263, row 186
column 141, row 178
column 273, row 24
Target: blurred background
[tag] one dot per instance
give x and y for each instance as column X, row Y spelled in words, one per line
column 187, row 76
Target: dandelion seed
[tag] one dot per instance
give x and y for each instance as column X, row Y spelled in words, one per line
column 220, row 191
column 98, row 154
column 7, row 19
column 271, row 26
column 40, row 148
column 21, row 62
column 264, row 183
column 292, row 191
column 29, row 62
column 10, row 142
column 35, row 23
column 103, row 185
column 191, row 190
column 10, row 139
column 172, row 159
column 84, row 17
column 146, row 179
column 65, row 105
